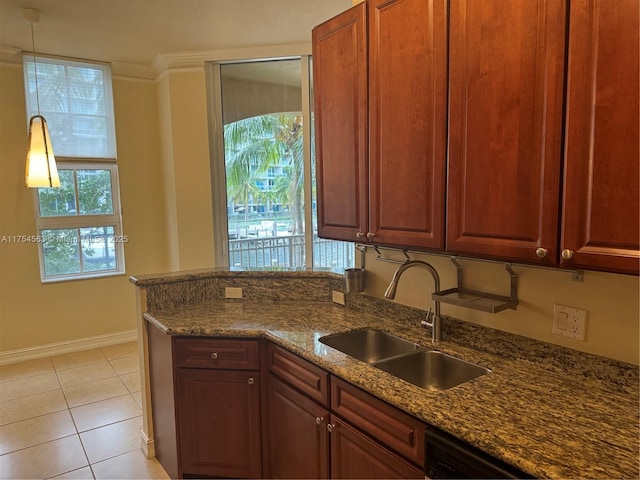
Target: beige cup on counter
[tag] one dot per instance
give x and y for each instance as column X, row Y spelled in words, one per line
column 354, row 280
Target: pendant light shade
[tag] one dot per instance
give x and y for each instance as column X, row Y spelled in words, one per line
column 41, row 164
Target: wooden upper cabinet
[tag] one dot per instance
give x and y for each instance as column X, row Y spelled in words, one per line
column 340, row 111
column 505, row 128
column 407, row 121
column 381, row 159
column 601, row 214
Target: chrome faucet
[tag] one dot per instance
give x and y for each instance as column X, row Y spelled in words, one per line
column 435, row 322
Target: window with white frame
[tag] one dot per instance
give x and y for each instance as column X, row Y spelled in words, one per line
column 79, row 224
column 265, row 213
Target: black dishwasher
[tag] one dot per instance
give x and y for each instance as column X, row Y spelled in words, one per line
column 448, row 457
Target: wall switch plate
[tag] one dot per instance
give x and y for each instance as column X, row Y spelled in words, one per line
column 569, row 322
column 232, row 292
column 337, row 297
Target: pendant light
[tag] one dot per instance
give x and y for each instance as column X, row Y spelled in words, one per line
column 41, row 164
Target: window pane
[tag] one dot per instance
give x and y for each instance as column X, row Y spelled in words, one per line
column 262, row 115
column 98, row 249
column 265, row 163
column 54, row 202
column 76, row 100
column 61, row 252
column 87, row 96
column 94, row 192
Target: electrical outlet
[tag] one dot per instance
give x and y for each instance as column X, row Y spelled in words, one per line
column 232, row 292
column 569, row 322
column 337, row 297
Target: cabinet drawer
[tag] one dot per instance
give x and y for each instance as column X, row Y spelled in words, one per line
column 397, row 430
column 227, row 354
column 306, row 377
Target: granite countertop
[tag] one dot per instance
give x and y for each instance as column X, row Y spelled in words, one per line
column 547, row 423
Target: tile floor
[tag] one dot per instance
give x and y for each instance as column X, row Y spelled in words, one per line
column 76, row 415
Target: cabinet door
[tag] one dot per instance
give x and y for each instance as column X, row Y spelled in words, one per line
column 392, row 427
column 505, row 128
column 355, row 455
column 601, row 214
column 296, row 434
column 340, row 110
column 407, row 121
column 219, row 422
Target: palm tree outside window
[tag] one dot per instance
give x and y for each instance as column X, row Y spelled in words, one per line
column 270, row 216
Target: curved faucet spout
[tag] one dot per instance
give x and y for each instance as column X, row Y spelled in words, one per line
column 393, row 286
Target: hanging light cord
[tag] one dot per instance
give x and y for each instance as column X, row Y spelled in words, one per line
column 35, row 66
column 42, row 120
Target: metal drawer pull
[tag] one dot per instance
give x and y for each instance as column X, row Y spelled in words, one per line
column 330, row 427
column 319, row 420
column 214, row 356
column 250, row 381
column 567, row 254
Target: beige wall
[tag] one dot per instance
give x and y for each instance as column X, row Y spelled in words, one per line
column 612, row 300
column 185, row 160
column 34, row 314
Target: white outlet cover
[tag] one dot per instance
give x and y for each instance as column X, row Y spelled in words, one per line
column 569, row 322
column 337, row 297
column 232, row 292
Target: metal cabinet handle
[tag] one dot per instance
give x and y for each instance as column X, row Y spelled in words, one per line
column 214, row 356
column 319, row 420
column 360, row 235
column 250, row 381
column 370, row 236
column 542, row 252
column 567, row 254
column 330, row 427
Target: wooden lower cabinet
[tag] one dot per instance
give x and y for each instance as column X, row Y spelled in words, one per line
column 218, row 414
column 306, row 441
column 305, row 437
column 219, row 411
column 356, row 455
column 205, row 397
column 296, row 435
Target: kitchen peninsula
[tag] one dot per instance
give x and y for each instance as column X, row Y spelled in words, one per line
column 547, row 410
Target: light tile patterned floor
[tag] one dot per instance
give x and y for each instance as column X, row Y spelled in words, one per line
column 74, row 416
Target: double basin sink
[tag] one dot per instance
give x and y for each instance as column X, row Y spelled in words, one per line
column 428, row 369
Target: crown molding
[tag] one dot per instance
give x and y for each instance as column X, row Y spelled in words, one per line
column 188, row 60
column 10, row 54
column 131, row 70
column 184, row 60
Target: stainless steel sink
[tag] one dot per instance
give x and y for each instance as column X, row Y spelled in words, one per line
column 369, row 345
column 431, row 370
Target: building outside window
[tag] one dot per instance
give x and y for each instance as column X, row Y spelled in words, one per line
column 263, row 117
column 79, row 224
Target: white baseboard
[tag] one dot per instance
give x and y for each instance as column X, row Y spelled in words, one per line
column 52, row 349
column 147, row 445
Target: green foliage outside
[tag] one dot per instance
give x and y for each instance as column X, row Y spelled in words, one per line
column 81, row 192
column 255, row 144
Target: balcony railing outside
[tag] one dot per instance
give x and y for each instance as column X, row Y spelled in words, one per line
column 287, row 252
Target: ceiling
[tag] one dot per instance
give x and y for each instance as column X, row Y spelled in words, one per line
column 137, row 31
